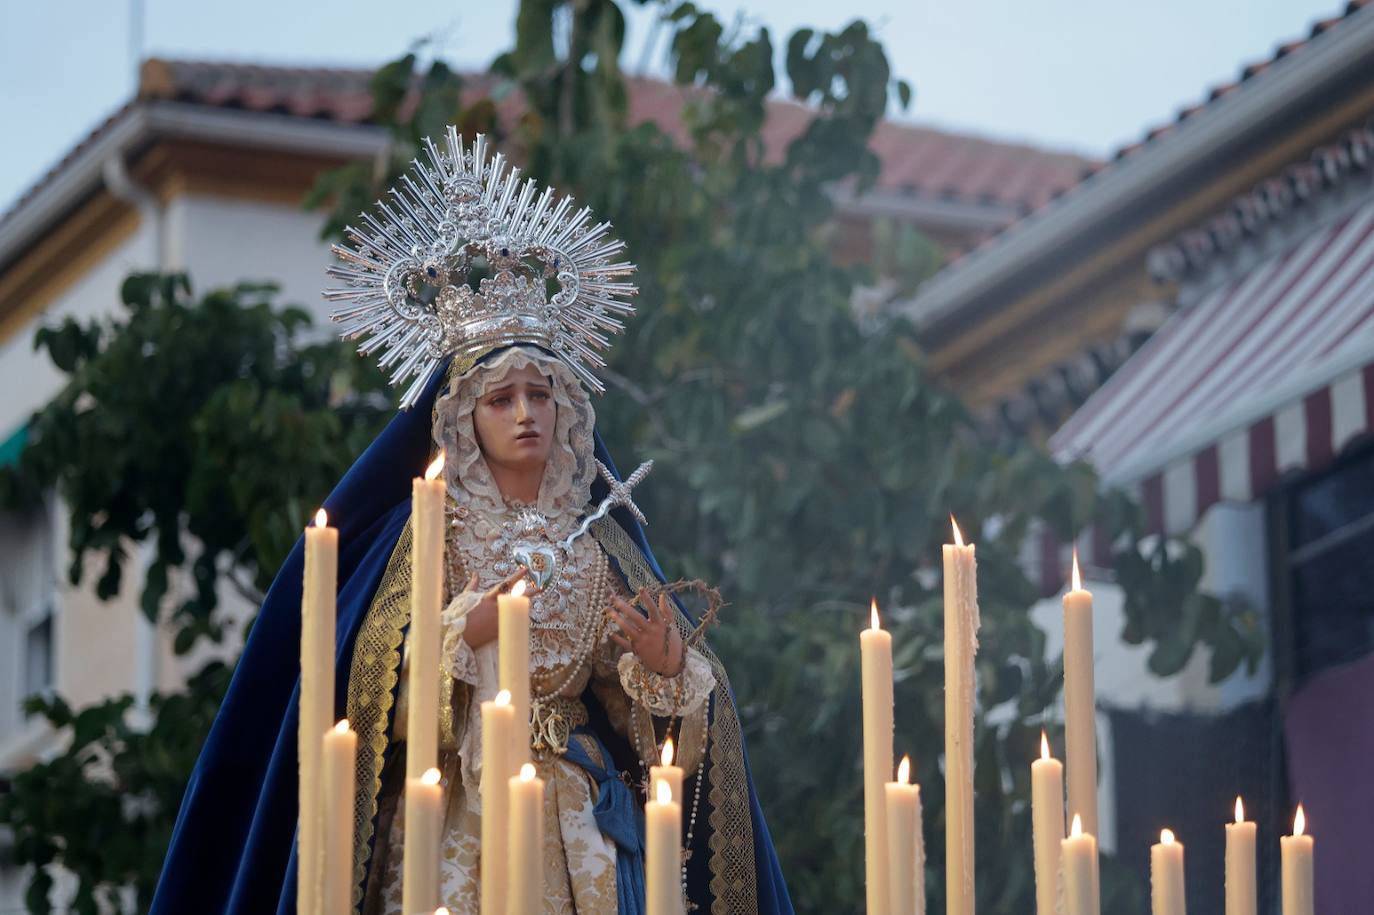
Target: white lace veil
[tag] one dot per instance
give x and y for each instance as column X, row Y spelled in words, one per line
column 568, row 476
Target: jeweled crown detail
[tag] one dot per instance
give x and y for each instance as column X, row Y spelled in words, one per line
column 466, row 257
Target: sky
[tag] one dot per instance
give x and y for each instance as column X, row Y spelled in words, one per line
column 1078, row 75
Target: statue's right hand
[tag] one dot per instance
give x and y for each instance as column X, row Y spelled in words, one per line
column 482, row 625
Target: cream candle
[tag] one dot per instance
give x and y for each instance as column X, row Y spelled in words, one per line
column 1047, row 813
column 1078, row 854
column 1080, row 702
column 427, row 588
column 498, row 728
column 1296, row 852
column 513, row 666
column 666, row 772
column 424, row 813
column 525, row 864
column 663, row 853
column 340, row 771
column 1166, row 876
column 905, row 844
column 316, row 704
column 961, row 648
column 1241, row 897
column 875, row 657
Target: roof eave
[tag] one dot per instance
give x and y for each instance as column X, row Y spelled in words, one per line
column 1288, row 83
column 147, row 121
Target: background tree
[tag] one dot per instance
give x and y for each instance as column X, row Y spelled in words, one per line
column 196, row 435
column 806, row 458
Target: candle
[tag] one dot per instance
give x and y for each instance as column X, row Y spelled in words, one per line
column 875, row 655
column 663, row 853
column 427, row 587
column 666, row 772
column 424, row 812
column 1079, row 856
column 513, row 674
column 1166, row 876
column 906, row 847
column 1297, row 869
column 316, row 704
column 498, row 726
column 1240, row 865
column 525, row 864
column 1047, row 812
column 961, row 647
column 1080, row 702
column 340, row 765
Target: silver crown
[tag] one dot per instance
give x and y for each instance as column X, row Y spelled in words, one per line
column 459, row 218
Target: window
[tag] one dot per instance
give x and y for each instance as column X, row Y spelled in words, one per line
column 1330, row 533
column 28, row 589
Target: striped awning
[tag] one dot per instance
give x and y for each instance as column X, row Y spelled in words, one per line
column 1271, row 372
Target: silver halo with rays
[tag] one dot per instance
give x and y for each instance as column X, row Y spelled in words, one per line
column 408, row 270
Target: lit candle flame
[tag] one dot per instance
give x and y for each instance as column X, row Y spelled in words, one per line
column 904, row 770
column 321, row 519
column 665, row 792
column 503, row 697
column 958, row 537
column 1077, row 579
column 519, row 589
column 873, row 615
column 666, row 757
column 1166, row 837
column 527, row 773
column 1044, row 746
column 1240, row 810
column 1077, row 828
column 431, row 777
column 1299, row 822
column 341, row 727
column 435, row 468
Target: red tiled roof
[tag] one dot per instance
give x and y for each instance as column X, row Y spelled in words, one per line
column 915, row 160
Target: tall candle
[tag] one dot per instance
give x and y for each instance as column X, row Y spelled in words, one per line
column 525, row 865
column 665, row 771
column 424, row 812
column 427, row 522
column 663, row 853
column 513, row 666
column 1296, row 851
column 1166, row 876
column 875, row 655
column 1241, row 898
column 961, row 647
column 316, row 704
column 498, row 727
column 1080, row 702
column 340, row 770
column 1047, row 812
column 905, row 844
column 1078, row 853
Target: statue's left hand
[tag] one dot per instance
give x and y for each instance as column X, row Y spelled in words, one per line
column 653, row 638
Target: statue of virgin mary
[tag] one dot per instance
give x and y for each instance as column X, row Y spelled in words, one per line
column 494, row 303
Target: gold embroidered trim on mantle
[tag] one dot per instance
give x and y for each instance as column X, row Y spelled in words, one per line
column 734, row 880
column 372, row 692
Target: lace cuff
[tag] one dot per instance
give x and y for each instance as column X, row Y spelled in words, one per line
column 458, row 660
column 660, row 694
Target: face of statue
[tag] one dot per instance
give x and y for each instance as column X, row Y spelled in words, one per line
column 515, row 421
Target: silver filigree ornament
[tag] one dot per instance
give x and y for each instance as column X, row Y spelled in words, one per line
column 460, row 260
